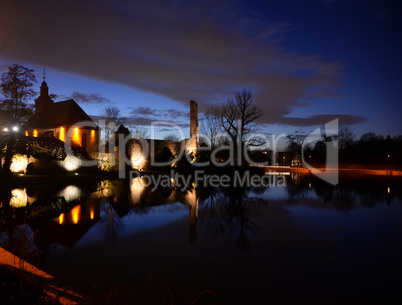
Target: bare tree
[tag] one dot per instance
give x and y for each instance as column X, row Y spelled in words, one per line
column 139, row 132
column 172, row 137
column 238, row 117
column 210, row 127
column 112, row 119
column 345, row 137
column 294, row 144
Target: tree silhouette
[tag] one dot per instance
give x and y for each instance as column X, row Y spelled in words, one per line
column 210, row 128
column 112, row 119
column 16, row 86
column 238, row 117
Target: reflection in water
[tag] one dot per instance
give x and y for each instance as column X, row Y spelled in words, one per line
column 292, row 238
column 227, row 212
column 192, row 201
column 75, row 213
column 143, row 195
column 137, row 188
column 92, row 213
column 70, row 193
column 79, row 213
column 111, row 222
column 19, row 198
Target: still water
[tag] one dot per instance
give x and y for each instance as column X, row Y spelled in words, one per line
column 301, row 241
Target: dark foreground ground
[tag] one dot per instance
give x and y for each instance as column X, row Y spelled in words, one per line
column 14, row 290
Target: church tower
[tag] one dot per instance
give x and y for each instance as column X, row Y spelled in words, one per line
column 44, row 99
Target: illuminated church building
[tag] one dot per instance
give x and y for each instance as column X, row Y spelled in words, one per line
column 62, row 121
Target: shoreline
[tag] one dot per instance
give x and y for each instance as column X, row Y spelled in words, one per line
column 26, row 179
column 18, row 180
column 341, row 170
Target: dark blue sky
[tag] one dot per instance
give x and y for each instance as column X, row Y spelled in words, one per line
column 307, row 62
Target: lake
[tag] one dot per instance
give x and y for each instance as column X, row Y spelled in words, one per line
column 294, row 240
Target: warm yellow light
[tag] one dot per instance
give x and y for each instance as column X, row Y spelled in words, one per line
column 61, row 218
column 76, row 214
column 19, row 198
column 309, row 185
column 26, row 133
column 138, row 161
column 93, row 135
column 18, row 163
column 76, row 136
column 70, row 193
column 389, row 190
column 71, row 163
column 62, row 136
column 35, row 133
column 137, row 189
column 92, row 213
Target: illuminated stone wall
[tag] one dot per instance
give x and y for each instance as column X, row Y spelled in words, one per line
column 140, row 153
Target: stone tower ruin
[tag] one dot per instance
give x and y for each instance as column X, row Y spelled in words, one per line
column 194, row 137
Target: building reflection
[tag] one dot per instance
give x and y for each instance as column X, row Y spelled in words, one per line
column 19, row 198
column 190, row 198
column 143, row 195
column 68, row 228
column 64, row 215
column 70, row 193
column 79, row 213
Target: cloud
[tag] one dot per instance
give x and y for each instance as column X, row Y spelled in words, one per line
column 202, row 51
column 145, row 116
column 344, row 119
column 158, row 113
column 94, row 98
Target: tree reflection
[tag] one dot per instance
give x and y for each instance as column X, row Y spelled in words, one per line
column 344, row 199
column 111, row 222
column 296, row 187
column 229, row 211
column 348, row 194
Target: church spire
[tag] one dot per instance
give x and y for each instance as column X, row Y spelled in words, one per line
column 44, row 99
column 44, row 89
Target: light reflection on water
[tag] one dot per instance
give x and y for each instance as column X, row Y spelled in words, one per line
column 271, row 235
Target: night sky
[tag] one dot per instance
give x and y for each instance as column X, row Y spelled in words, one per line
column 306, row 62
